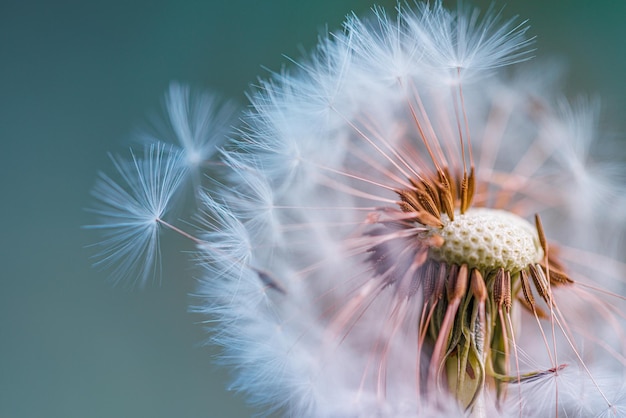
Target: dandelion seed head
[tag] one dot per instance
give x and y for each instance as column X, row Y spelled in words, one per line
column 389, row 183
column 402, row 229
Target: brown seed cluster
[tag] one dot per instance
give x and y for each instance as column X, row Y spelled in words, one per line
column 429, row 198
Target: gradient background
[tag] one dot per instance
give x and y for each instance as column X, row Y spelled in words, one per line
column 75, row 80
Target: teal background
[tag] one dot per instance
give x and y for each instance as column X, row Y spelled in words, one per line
column 76, row 79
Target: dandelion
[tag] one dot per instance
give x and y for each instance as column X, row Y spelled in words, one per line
column 404, row 227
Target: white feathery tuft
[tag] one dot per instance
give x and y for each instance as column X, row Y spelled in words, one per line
column 384, row 48
column 129, row 211
column 458, row 46
column 200, row 122
column 197, row 125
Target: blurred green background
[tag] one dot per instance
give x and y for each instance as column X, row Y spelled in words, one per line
column 76, row 79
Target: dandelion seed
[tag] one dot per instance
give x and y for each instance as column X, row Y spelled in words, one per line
column 131, row 210
column 383, row 243
column 197, row 126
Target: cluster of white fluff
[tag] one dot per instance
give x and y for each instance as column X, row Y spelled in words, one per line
column 288, row 219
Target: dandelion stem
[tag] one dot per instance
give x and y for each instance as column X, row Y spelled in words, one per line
column 179, row 231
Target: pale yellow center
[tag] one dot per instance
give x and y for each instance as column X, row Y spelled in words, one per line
column 488, row 239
